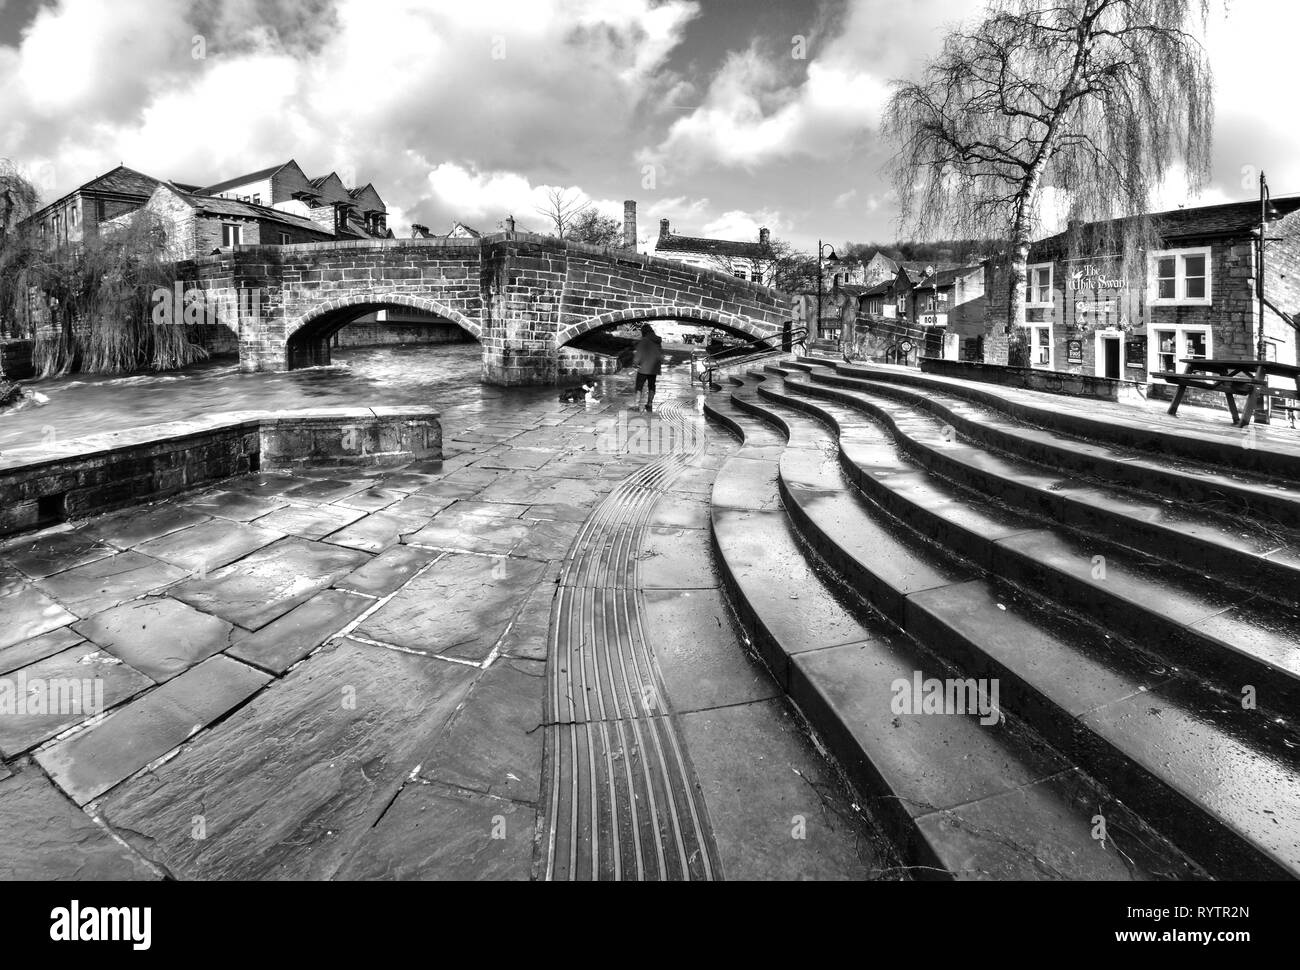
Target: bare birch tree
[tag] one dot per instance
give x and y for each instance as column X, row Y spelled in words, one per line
column 1098, row 99
column 563, row 211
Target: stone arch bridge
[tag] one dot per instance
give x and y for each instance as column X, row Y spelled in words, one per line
column 524, row 297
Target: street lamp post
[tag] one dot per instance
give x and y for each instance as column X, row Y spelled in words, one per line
column 831, row 258
column 1264, row 201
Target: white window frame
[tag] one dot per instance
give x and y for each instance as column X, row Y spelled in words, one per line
column 1033, row 329
column 1180, row 343
column 1029, row 285
column 234, row 231
column 1180, row 297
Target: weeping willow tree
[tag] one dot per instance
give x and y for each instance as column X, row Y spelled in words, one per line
column 99, row 295
column 1098, row 100
column 18, row 200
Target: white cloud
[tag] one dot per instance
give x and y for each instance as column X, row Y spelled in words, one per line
column 392, row 89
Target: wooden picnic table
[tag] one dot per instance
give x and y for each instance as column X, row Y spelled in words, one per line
column 1246, row 377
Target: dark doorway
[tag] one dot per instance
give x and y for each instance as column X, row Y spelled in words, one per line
column 1110, row 355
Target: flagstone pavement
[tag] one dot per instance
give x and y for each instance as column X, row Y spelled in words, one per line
column 340, row 674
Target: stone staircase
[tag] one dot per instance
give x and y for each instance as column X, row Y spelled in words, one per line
column 1128, row 601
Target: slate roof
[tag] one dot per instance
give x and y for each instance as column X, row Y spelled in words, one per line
column 712, row 247
column 1231, row 219
column 265, row 173
column 213, row 205
column 123, row 181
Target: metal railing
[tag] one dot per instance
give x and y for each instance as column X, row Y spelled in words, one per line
column 704, row 366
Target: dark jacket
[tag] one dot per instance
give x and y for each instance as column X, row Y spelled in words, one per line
column 649, row 356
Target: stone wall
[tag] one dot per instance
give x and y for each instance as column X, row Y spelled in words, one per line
column 1051, row 381
column 573, row 363
column 398, row 334
column 42, row 485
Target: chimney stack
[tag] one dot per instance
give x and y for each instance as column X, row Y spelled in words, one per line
column 663, row 228
column 510, row 223
column 629, row 224
column 762, row 237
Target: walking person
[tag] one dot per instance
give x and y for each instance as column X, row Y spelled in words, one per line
column 648, row 358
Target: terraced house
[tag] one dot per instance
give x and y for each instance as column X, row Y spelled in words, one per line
column 1193, row 294
column 744, row 260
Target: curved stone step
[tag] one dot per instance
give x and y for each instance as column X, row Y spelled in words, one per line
column 1222, row 456
column 960, row 799
column 1129, row 477
column 1192, row 619
column 1255, row 558
column 1192, row 763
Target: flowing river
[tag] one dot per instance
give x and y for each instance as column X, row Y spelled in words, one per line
column 445, row 376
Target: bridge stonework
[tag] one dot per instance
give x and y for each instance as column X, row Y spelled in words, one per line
column 522, row 296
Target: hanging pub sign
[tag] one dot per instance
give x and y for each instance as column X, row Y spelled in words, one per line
column 1074, row 351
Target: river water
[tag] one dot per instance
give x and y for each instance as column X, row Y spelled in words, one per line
column 445, row 376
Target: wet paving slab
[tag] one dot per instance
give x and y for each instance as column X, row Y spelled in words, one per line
column 131, row 528
column 270, row 582
column 472, row 531
column 26, row 652
column 105, row 583
column 388, row 571
column 90, row 682
column 159, row 637
column 90, row 762
column 310, row 521
column 48, row 838
column 493, row 745
column 361, row 694
column 281, row 643
column 457, row 607
column 291, row 784
column 210, row 545
column 236, row 505
column 28, row 613
column 55, row 553
column 434, row 833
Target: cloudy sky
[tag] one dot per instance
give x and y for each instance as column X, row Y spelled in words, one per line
column 470, row 109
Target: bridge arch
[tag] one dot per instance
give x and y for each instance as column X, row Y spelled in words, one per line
column 307, row 336
column 737, row 325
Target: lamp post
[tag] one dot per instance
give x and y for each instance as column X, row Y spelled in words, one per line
column 1265, row 210
column 831, row 258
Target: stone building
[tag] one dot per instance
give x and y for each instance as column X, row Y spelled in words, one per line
column 919, row 310
column 745, row 260
column 1091, row 312
column 357, row 213
column 79, row 214
column 272, row 205
column 199, row 224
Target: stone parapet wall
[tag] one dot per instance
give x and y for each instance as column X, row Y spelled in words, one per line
column 43, row 485
column 1033, row 379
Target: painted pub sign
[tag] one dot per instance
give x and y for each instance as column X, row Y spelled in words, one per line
column 1099, row 295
